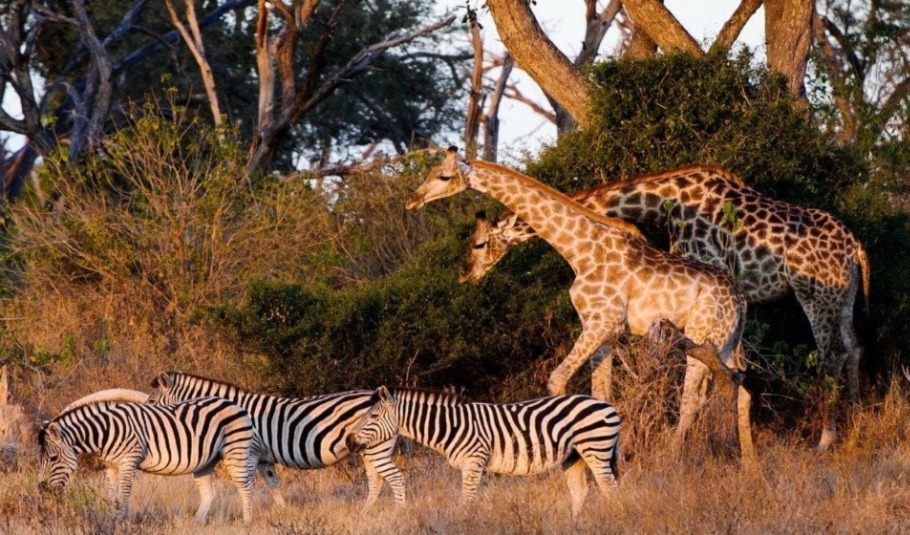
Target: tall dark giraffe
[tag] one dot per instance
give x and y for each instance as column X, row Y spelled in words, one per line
column 771, row 248
column 621, row 282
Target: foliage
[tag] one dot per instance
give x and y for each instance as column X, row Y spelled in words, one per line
column 676, row 110
column 416, row 325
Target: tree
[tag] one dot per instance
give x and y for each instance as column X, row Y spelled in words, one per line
column 787, row 27
column 286, row 97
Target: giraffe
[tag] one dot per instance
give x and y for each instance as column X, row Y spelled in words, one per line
column 771, row 247
column 621, row 282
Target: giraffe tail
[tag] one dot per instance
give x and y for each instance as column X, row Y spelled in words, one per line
column 864, row 266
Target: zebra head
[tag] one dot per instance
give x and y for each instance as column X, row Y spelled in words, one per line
column 164, row 393
column 488, row 244
column 378, row 424
column 58, row 459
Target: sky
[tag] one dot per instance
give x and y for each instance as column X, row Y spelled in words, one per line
column 564, row 21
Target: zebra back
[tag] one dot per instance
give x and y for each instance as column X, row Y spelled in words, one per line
column 304, row 432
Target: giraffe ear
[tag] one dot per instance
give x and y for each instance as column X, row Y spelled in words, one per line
column 384, row 394
column 508, row 221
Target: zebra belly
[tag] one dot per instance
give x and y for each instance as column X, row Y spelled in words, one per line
column 174, row 463
column 521, row 458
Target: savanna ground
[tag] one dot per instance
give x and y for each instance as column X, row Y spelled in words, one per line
column 861, row 486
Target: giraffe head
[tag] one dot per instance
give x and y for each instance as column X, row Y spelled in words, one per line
column 488, row 244
column 444, row 180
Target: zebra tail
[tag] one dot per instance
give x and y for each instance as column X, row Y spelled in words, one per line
column 614, row 459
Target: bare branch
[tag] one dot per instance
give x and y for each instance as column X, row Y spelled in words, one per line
column 735, row 24
column 596, row 29
column 512, row 92
column 491, row 120
column 193, row 39
column 475, row 97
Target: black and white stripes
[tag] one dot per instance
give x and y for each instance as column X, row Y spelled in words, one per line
column 516, row 439
column 185, row 438
column 301, row 433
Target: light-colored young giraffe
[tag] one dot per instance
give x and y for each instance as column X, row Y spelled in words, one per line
column 620, row 281
column 771, row 248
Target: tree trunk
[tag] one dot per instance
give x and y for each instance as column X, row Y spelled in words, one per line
column 788, row 31
column 538, row 56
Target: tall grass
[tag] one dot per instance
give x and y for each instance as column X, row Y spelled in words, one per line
column 862, row 487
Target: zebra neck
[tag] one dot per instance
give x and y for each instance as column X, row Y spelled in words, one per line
column 429, row 424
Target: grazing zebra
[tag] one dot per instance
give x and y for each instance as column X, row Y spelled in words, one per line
column 169, row 440
column 303, row 433
column 518, row 439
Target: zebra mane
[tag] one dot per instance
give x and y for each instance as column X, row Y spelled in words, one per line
column 219, row 382
column 429, row 396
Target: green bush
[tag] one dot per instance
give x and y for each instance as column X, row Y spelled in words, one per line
column 415, row 326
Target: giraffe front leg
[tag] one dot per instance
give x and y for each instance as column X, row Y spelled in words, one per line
column 592, row 337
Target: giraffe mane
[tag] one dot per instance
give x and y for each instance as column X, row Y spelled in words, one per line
column 612, row 222
column 649, row 178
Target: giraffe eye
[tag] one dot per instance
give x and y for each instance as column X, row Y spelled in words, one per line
column 480, row 245
column 445, row 178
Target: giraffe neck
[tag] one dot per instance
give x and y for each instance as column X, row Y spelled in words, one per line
column 553, row 216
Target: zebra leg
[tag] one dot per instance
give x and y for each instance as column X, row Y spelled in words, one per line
column 470, row 480
column 270, row 476
column 205, row 483
column 576, row 479
column 126, row 474
column 379, row 466
column 113, row 481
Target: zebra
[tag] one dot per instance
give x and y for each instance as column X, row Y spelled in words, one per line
column 304, row 433
column 168, row 440
column 519, row 439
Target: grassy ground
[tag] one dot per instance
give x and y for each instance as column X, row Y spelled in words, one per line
column 862, row 486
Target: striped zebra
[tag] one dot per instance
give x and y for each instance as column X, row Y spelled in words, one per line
column 517, row 439
column 169, row 440
column 303, row 433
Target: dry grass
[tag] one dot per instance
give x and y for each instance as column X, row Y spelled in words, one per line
column 863, row 486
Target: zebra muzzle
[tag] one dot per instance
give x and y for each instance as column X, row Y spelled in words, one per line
column 353, row 445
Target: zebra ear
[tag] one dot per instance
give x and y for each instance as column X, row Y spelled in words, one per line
column 162, row 381
column 384, row 394
column 52, row 430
